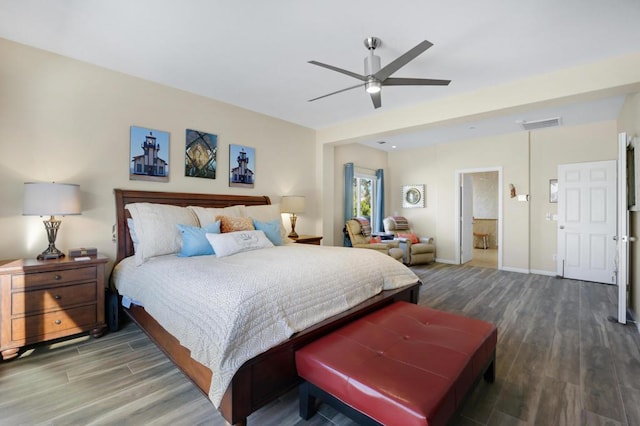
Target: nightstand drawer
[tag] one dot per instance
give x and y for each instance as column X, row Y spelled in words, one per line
column 52, row 323
column 60, row 276
column 52, row 298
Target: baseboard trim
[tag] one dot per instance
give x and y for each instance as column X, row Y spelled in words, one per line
column 448, row 261
column 519, row 270
column 541, row 272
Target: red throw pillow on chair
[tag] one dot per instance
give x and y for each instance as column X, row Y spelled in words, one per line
column 409, row 236
column 375, row 240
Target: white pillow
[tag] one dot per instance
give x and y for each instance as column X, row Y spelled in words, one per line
column 157, row 230
column 267, row 213
column 237, row 242
column 207, row 215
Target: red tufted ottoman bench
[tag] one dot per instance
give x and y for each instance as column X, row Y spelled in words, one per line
column 402, row 365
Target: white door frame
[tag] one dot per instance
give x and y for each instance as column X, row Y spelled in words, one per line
column 622, row 274
column 466, row 195
column 457, row 209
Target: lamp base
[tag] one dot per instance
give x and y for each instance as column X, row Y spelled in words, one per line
column 51, row 253
column 293, row 233
column 52, row 225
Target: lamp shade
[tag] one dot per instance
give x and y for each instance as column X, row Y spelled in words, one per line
column 292, row 204
column 51, row 199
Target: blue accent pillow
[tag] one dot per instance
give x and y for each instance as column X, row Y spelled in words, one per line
column 271, row 230
column 194, row 239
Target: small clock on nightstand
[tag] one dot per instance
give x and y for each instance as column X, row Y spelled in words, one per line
column 307, row 239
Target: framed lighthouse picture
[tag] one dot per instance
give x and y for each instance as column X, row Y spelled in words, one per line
column 242, row 163
column 149, row 159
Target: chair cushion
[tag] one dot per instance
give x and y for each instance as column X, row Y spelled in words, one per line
column 422, row 248
column 396, row 253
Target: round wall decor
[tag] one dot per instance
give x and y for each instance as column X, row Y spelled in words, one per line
column 412, row 196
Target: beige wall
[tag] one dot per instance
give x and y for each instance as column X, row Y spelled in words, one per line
column 629, row 122
column 529, row 239
column 549, row 148
column 67, row 121
column 437, row 167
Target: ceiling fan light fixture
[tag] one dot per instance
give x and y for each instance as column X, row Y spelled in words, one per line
column 372, row 86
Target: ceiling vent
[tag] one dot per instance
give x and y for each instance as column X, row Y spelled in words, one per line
column 540, row 124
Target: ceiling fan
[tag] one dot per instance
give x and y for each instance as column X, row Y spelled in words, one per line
column 375, row 77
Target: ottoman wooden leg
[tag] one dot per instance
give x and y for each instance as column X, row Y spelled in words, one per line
column 490, row 372
column 307, row 402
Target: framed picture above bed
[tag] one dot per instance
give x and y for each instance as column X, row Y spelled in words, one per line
column 200, row 154
column 242, row 162
column 149, row 156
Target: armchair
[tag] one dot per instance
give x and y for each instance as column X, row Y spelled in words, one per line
column 415, row 250
column 358, row 239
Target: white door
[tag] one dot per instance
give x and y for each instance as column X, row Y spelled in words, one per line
column 623, row 229
column 587, row 221
column 466, row 218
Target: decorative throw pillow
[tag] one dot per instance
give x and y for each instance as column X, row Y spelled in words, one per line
column 207, row 215
column 364, row 225
column 234, row 224
column 271, row 230
column 194, row 239
column 267, row 213
column 374, row 240
column 409, row 236
column 401, row 222
column 237, row 242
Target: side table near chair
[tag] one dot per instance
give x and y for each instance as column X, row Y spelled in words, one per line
column 484, row 239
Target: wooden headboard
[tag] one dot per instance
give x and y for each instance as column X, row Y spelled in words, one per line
column 126, row 196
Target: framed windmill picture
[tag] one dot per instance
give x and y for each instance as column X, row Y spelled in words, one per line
column 200, row 154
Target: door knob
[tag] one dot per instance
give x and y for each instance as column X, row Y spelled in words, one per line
column 561, row 226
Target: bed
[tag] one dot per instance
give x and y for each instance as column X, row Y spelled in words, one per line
column 267, row 375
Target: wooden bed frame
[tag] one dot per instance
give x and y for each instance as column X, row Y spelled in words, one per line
column 267, row 376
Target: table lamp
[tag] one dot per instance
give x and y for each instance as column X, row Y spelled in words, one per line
column 292, row 204
column 51, row 199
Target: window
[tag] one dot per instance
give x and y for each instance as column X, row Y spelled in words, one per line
column 364, row 188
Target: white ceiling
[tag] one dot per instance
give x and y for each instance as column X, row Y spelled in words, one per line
column 254, row 54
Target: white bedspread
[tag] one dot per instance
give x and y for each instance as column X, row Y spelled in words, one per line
column 228, row 310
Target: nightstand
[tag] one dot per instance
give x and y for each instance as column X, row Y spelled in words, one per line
column 307, row 239
column 48, row 299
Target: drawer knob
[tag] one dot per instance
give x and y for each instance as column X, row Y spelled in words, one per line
column 57, row 277
column 57, row 297
column 58, row 322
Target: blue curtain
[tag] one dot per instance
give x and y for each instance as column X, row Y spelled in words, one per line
column 348, row 198
column 379, row 210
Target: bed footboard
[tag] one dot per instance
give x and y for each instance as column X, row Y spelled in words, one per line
column 269, row 375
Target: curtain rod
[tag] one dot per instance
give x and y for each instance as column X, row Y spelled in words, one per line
column 364, row 168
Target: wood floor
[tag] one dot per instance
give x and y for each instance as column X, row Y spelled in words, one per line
column 484, row 258
column 559, row 362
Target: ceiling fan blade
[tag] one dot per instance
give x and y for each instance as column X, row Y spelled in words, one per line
column 414, row 82
column 376, row 99
column 340, row 70
column 338, row 91
column 402, row 60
